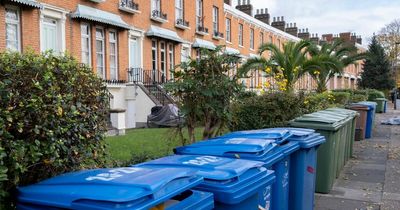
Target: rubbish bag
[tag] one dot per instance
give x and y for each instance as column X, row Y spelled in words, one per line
column 391, row 121
column 165, row 116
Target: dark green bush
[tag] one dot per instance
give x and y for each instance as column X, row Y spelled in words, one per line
column 361, row 92
column 265, row 111
column 357, row 98
column 53, row 118
column 341, row 98
column 374, row 94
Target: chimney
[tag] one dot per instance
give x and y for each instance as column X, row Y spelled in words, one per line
column 353, row 38
column 314, row 39
column 279, row 23
column 345, row 36
column 292, row 29
column 359, row 40
column 263, row 16
column 228, row 2
column 304, row 34
column 327, row 37
column 245, row 7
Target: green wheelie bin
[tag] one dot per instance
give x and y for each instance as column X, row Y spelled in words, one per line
column 343, row 137
column 353, row 115
column 327, row 125
column 380, row 107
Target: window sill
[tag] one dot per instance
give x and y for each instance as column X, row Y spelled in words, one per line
column 182, row 27
column 129, row 10
column 217, row 38
column 158, row 19
column 241, row 46
column 202, row 33
column 228, row 42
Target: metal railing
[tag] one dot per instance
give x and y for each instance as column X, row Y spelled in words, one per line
column 218, row 34
column 159, row 14
column 129, row 4
column 147, row 77
column 202, row 29
column 182, row 22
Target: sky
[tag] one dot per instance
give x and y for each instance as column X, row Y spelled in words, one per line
column 363, row 17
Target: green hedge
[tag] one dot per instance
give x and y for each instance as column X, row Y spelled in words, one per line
column 265, row 111
column 358, row 98
column 374, row 94
column 53, row 119
column 341, row 98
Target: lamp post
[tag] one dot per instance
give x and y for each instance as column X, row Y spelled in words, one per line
column 395, row 64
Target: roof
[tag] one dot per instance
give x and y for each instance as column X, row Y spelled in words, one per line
column 201, row 43
column 32, row 3
column 259, row 23
column 164, row 33
column 92, row 14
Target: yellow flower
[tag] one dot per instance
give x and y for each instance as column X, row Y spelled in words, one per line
column 268, row 70
column 316, row 72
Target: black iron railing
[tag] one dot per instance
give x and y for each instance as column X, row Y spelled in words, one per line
column 182, row 22
column 202, row 29
column 159, row 14
column 147, row 77
column 129, row 4
column 218, row 34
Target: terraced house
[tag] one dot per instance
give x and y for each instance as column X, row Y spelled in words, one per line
column 133, row 44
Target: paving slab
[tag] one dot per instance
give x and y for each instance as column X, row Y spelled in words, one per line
column 371, row 178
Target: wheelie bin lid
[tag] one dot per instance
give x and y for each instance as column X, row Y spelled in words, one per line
column 266, row 151
column 318, row 121
column 368, row 103
column 133, row 187
column 231, row 180
column 351, row 113
column 380, row 99
column 278, row 135
column 298, row 132
column 362, row 107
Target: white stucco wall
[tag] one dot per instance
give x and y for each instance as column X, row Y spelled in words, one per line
column 143, row 106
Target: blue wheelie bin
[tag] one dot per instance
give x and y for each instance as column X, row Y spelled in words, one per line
column 303, row 168
column 278, row 135
column 118, row 188
column 275, row 157
column 370, row 117
column 235, row 183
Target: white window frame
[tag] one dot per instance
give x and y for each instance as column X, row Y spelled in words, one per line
column 179, row 9
column 156, row 5
column 185, row 53
column 58, row 14
column 199, row 13
column 228, row 29
column 215, row 19
column 261, row 38
column 154, row 49
column 89, row 39
column 163, row 56
column 252, row 38
column 14, row 22
column 115, row 42
column 171, row 59
column 103, row 73
column 240, row 34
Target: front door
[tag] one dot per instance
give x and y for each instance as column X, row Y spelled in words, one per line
column 135, row 59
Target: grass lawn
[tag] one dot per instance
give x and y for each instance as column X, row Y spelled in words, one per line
column 142, row 144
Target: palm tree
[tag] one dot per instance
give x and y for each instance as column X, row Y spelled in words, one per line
column 339, row 53
column 287, row 65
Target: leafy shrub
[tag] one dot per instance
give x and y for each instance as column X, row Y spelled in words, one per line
column 357, row 98
column 265, row 111
column 374, row 94
column 361, row 92
column 316, row 102
column 53, row 118
column 341, row 98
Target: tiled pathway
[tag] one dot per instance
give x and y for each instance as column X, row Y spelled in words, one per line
column 371, row 179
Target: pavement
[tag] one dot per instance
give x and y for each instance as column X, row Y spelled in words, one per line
column 371, row 178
